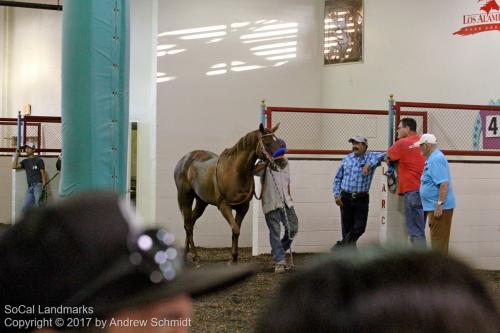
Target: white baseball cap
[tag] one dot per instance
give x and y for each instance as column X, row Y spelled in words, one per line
column 426, row 138
column 30, row 145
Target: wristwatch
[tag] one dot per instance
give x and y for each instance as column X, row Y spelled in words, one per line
column 440, row 203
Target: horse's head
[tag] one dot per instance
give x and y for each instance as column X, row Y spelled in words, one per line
column 268, row 144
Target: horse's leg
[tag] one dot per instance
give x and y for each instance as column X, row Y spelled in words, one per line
column 185, row 200
column 241, row 211
column 198, row 210
column 227, row 212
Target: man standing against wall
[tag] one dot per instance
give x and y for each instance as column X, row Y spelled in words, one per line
column 350, row 188
column 35, row 175
column 437, row 195
column 410, row 166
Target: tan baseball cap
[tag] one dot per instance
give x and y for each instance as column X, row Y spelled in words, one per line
column 359, row 138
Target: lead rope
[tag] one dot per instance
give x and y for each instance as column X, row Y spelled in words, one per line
column 286, row 217
column 51, row 179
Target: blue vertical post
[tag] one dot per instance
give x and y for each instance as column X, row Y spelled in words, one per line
column 390, row 129
column 263, row 113
column 95, row 67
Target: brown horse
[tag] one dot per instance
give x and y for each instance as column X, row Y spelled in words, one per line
column 225, row 181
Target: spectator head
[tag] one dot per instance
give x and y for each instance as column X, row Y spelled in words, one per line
column 30, row 148
column 406, row 127
column 359, row 144
column 427, row 144
column 383, row 291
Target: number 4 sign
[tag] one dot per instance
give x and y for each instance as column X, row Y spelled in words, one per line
column 491, row 128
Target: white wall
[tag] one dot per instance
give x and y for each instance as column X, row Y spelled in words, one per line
column 33, row 59
column 410, row 51
column 142, row 107
column 475, row 232
column 196, row 111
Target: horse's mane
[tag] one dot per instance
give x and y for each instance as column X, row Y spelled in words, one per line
column 249, row 139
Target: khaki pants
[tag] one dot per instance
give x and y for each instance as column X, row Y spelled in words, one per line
column 440, row 230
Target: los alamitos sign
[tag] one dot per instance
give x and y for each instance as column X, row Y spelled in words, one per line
column 487, row 20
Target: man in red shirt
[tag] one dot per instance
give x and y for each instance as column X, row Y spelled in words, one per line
column 410, row 167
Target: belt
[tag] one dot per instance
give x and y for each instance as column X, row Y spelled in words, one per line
column 354, row 195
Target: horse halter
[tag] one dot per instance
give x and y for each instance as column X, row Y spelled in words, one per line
column 267, row 157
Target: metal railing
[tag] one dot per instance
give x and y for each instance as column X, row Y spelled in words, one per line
column 45, row 132
column 460, row 129
column 326, row 131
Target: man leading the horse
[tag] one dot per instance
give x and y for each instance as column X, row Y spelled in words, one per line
column 277, row 205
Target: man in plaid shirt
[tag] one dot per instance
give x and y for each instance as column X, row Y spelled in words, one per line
column 351, row 186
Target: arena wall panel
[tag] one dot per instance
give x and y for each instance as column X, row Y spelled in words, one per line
column 475, row 234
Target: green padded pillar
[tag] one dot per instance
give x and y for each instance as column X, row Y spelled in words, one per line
column 95, row 75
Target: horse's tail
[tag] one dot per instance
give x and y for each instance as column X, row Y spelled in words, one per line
column 181, row 169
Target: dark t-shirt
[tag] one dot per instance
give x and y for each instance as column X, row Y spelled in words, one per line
column 33, row 167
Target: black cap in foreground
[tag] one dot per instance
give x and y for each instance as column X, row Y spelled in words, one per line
column 90, row 251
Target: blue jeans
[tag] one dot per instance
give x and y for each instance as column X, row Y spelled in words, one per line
column 32, row 197
column 415, row 219
column 291, row 224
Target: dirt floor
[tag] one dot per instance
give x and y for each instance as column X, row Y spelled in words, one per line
column 237, row 309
